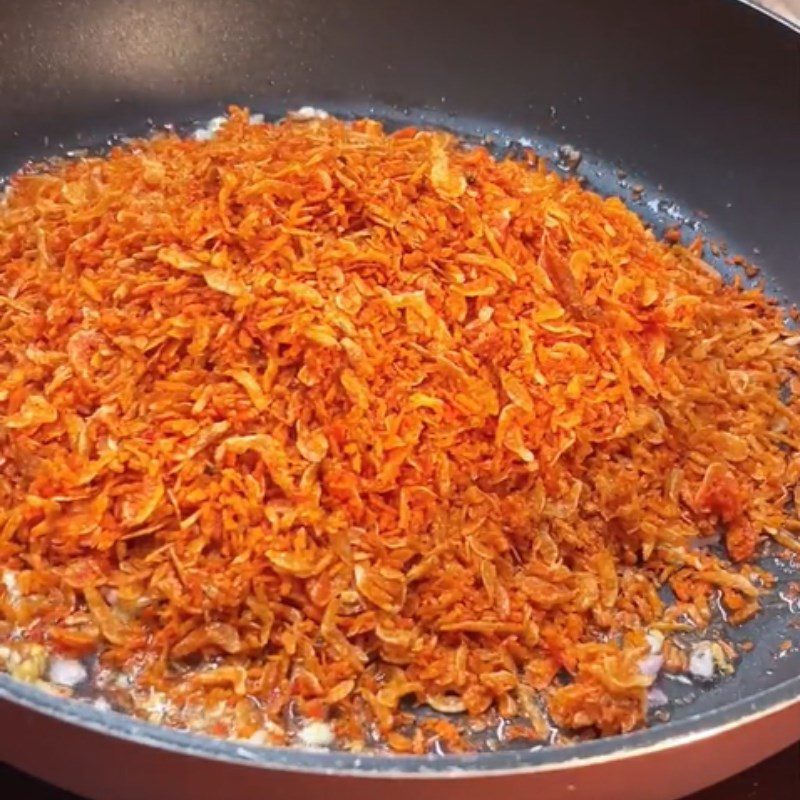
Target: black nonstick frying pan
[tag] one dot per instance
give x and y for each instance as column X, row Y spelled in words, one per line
column 697, row 102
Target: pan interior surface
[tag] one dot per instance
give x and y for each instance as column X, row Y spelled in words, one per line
column 704, row 120
column 771, row 665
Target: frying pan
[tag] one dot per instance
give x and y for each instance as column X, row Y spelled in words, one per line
column 696, row 102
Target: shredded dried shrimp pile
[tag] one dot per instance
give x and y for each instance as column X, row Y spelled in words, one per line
column 312, row 419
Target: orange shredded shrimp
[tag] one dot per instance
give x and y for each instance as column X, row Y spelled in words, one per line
column 313, row 418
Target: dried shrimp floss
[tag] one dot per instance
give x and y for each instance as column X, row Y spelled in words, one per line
column 306, row 425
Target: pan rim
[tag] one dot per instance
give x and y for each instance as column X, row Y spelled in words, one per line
column 666, row 736
column 758, row 5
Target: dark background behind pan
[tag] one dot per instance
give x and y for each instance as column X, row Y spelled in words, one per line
column 696, row 100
